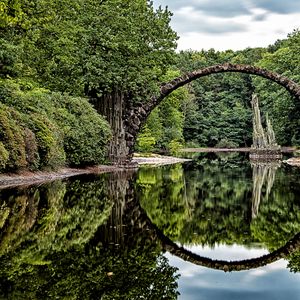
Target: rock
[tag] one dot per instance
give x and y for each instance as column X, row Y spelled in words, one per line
column 294, row 161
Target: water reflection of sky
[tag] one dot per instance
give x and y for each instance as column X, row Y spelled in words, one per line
column 272, row 282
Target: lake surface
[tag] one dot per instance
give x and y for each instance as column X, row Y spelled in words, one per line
column 215, row 228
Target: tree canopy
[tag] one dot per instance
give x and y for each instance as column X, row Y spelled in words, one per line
column 92, row 45
column 102, row 49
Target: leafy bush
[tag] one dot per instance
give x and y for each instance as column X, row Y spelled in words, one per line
column 192, row 144
column 174, row 146
column 49, row 140
column 31, row 148
column 3, row 156
column 8, row 57
column 145, row 141
column 295, row 141
column 86, row 133
column 225, row 143
column 41, row 129
column 11, row 136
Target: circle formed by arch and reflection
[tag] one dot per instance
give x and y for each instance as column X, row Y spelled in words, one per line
column 293, row 244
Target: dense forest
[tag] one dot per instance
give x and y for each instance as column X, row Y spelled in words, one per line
column 216, row 110
column 62, row 63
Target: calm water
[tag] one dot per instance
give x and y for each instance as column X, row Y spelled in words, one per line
column 216, row 228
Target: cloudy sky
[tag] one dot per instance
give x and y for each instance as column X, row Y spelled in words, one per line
column 273, row 281
column 231, row 24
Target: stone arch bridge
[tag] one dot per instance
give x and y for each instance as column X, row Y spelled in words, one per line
column 134, row 117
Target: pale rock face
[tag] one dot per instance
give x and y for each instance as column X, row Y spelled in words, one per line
column 262, row 138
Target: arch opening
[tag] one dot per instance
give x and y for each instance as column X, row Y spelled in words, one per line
column 137, row 116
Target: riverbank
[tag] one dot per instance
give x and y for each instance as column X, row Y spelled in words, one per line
column 39, row 177
column 156, row 159
column 28, row 178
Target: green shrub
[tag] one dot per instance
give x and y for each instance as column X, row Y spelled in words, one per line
column 174, row 146
column 86, row 133
column 31, row 148
column 225, row 143
column 8, row 56
column 42, row 129
column 4, row 155
column 192, row 144
column 11, row 135
column 145, row 141
column 49, row 141
column 295, row 141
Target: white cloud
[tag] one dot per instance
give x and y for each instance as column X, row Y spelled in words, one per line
column 233, row 252
column 188, row 20
column 260, row 33
column 232, row 24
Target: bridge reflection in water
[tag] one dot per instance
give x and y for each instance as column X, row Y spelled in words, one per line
column 103, row 236
column 129, row 211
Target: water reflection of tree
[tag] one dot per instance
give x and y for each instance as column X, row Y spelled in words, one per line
column 221, row 194
column 164, row 195
column 67, row 245
column 61, row 250
column 216, row 194
column 263, row 174
column 56, row 215
column 279, row 217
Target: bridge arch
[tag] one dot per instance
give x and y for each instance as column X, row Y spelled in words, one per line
column 224, row 265
column 128, row 218
column 228, row 266
column 135, row 117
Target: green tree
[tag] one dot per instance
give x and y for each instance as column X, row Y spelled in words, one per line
column 165, row 123
column 53, row 245
column 220, row 110
column 145, row 141
column 91, row 45
column 281, row 107
column 113, row 51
